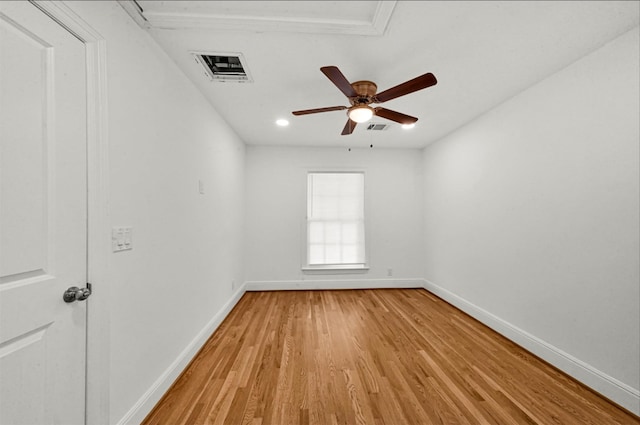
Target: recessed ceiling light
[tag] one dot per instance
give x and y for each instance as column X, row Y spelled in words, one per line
column 282, row 122
column 408, row 126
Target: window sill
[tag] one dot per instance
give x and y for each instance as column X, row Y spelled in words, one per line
column 336, row 269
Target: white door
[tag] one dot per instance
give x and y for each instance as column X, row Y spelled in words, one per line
column 43, row 218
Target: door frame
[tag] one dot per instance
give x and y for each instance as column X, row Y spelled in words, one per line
column 98, row 236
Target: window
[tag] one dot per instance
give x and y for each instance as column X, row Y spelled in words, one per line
column 335, row 220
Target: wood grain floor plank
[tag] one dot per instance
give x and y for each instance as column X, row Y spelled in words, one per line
column 370, row 357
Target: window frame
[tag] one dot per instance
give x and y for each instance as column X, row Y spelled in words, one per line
column 334, row 268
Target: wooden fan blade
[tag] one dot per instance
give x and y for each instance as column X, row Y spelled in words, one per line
column 337, row 78
column 394, row 116
column 349, row 127
column 315, row 111
column 418, row 83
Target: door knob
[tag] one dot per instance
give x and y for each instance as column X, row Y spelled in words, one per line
column 76, row 294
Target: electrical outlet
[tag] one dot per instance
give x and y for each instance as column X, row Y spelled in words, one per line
column 389, row 272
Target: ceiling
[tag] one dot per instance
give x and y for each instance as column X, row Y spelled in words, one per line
column 482, row 53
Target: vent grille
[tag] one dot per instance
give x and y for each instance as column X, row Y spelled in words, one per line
column 223, row 66
column 377, row 127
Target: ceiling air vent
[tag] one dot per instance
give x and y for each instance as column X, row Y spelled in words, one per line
column 223, row 66
column 377, row 127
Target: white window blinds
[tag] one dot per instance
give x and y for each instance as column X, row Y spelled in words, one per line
column 335, row 219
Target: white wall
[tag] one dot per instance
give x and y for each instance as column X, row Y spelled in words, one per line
column 276, row 212
column 187, row 247
column 531, row 213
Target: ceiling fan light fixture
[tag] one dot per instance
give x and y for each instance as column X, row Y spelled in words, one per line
column 360, row 114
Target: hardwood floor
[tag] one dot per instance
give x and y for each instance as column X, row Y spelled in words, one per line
column 386, row 356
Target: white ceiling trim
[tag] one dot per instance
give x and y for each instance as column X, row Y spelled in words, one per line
column 374, row 27
column 135, row 11
column 383, row 15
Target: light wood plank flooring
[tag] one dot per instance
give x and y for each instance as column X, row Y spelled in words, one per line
column 388, row 356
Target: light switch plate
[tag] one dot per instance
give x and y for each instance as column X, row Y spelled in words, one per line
column 121, row 238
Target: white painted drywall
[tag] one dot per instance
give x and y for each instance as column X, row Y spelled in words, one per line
column 531, row 211
column 164, row 137
column 276, row 211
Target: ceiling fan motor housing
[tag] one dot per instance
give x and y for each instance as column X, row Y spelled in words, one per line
column 366, row 90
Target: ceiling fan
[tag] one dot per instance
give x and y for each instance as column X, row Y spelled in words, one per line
column 363, row 93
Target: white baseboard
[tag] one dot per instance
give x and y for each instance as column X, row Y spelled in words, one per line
column 613, row 389
column 141, row 409
column 302, row 285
